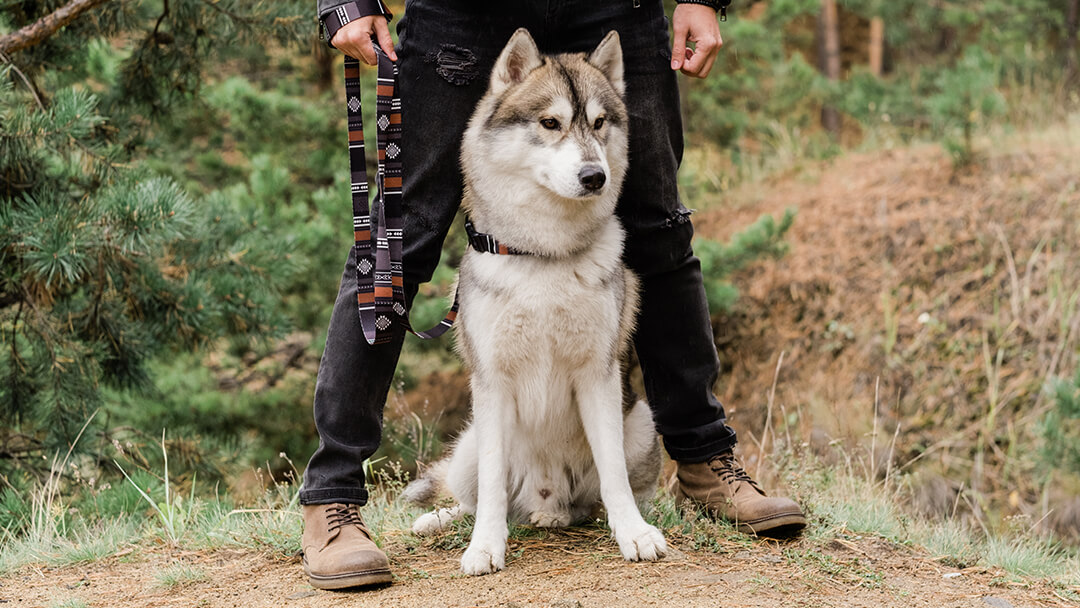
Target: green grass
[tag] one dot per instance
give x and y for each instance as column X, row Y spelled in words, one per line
column 841, row 505
column 68, row 603
column 844, row 504
column 178, row 575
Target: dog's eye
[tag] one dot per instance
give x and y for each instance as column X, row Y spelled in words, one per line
column 599, row 123
column 549, row 123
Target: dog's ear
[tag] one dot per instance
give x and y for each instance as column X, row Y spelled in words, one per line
column 607, row 57
column 516, row 61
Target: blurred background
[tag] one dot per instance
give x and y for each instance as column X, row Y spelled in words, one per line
column 887, row 198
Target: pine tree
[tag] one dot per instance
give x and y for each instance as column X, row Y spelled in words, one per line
column 763, row 238
column 104, row 263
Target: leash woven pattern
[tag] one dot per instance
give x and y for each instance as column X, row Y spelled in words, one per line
column 380, row 283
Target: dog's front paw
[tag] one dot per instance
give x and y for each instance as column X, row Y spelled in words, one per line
column 483, row 558
column 641, row 543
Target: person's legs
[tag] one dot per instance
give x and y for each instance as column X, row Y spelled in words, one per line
column 350, row 391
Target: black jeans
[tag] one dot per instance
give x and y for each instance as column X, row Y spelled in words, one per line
column 446, row 51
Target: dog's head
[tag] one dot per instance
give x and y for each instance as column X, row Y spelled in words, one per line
column 557, row 123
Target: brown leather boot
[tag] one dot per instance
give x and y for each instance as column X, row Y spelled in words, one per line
column 338, row 550
column 723, row 488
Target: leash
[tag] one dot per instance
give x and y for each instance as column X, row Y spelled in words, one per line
column 380, row 283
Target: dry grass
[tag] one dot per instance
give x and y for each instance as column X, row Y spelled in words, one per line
column 921, row 313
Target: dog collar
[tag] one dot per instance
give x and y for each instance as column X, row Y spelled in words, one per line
column 485, row 243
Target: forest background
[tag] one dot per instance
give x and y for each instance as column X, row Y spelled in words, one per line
column 174, row 214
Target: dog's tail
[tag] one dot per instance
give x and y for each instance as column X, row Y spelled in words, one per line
column 427, row 486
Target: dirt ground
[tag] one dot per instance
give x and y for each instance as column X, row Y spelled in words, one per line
column 565, row 570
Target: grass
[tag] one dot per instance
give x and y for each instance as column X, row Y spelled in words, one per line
column 178, row 575
column 69, row 603
column 841, row 505
column 844, row 504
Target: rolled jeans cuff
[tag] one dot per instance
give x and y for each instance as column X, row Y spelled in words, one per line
column 326, row 496
column 690, row 449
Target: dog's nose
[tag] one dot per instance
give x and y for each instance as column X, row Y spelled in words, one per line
column 592, row 177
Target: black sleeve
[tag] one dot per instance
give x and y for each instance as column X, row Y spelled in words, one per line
column 713, row 4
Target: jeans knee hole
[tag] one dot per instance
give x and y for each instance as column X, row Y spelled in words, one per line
column 455, row 64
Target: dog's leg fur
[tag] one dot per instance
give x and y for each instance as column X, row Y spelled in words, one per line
column 487, row 549
column 600, row 407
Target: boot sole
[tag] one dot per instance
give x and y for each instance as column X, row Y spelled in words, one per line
column 346, row 580
column 782, row 525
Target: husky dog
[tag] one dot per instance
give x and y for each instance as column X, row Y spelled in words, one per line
column 545, row 332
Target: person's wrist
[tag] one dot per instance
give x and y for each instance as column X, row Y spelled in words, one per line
column 344, row 14
column 717, row 5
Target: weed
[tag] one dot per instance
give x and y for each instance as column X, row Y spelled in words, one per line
column 69, row 603
column 171, row 515
column 178, row 575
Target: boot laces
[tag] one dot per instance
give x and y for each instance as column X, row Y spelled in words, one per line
column 730, row 470
column 342, row 515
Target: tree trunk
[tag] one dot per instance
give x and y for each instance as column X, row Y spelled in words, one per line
column 324, row 64
column 1072, row 23
column 877, row 45
column 830, row 24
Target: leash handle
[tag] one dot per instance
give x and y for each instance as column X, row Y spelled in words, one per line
column 380, row 283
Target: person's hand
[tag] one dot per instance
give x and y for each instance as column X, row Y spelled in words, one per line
column 695, row 23
column 354, row 39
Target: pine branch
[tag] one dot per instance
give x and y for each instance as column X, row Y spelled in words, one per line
column 37, row 32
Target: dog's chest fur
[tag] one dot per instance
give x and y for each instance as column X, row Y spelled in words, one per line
column 532, row 323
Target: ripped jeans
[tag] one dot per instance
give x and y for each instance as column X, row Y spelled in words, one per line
column 446, row 51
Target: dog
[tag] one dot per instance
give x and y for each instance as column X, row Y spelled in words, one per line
column 545, row 333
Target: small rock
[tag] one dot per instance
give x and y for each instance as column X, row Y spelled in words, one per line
column 301, row 595
column 743, row 555
column 952, row 575
column 997, row 602
column 770, row 559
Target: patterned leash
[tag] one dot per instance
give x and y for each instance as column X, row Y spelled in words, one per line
column 380, row 284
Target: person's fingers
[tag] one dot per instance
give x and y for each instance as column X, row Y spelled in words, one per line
column 705, row 53
column 354, row 39
column 386, row 43
column 695, row 63
column 680, row 29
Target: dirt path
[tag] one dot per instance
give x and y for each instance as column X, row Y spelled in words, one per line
column 564, row 570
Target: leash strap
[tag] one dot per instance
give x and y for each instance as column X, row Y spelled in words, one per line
column 380, row 284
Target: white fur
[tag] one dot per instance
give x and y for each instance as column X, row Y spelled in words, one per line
column 543, row 336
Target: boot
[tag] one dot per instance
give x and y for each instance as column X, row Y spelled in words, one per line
column 724, row 489
column 338, row 550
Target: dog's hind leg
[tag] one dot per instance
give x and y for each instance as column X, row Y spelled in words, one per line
column 545, row 496
column 601, row 414
column 487, row 548
column 435, row 521
column 642, row 448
